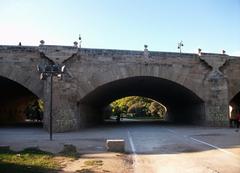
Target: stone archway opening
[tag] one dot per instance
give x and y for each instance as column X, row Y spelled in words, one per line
column 234, row 109
column 135, row 109
column 18, row 105
column 182, row 104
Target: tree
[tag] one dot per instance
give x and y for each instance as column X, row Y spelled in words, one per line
column 157, row 109
column 34, row 111
column 138, row 109
column 138, row 106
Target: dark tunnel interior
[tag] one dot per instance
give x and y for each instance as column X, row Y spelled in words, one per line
column 234, row 108
column 182, row 104
column 14, row 102
column 235, row 101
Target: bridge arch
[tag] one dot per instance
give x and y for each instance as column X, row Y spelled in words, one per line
column 24, row 77
column 183, row 104
column 234, row 102
column 15, row 99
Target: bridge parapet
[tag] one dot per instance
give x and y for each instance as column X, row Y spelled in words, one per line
column 15, row 49
column 133, row 53
column 60, row 54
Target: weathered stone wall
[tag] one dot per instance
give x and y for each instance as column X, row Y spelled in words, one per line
column 216, row 95
column 231, row 72
column 213, row 78
column 19, row 64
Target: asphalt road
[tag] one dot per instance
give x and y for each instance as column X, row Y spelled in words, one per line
column 155, row 147
column 182, row 149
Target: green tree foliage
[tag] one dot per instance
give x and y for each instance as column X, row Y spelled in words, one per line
column 137, row 106
column 34, row 111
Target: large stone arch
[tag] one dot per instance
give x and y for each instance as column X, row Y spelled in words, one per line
column 90, row 74
column 183, row 105
column 18, row 63
column 25, row 76
column 90, row 69
column 232, row 71
column 14, row 101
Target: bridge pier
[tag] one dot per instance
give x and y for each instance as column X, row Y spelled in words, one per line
column 217, row 104
column 88, row 115
column 64, row 109
column 216, row 90
column 217, row 112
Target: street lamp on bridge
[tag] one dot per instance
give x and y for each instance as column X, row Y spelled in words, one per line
column 180, row 45
column 50, row 70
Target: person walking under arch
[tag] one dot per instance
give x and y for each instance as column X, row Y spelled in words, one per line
column 118, row 118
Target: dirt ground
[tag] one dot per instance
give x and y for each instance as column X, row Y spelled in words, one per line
column 98, row 163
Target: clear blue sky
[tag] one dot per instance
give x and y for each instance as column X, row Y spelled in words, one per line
column 212, row 25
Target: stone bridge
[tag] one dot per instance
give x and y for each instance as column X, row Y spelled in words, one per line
column 195, row 88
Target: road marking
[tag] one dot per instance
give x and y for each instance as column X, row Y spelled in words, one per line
column 131, row 143
column 216, row 147
column 205, row 143
column 134, row 151
column 172, row 131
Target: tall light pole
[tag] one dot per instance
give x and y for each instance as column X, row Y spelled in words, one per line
column 50, row 70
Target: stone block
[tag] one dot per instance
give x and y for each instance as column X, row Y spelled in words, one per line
column 115, row 145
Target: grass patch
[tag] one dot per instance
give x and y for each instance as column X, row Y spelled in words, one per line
column 85, row 171
column 91, row 166
column 93, row 163
column 26, row 161
column 69, row 151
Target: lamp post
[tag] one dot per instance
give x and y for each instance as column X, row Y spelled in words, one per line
column 50, row 70
column 180, row 45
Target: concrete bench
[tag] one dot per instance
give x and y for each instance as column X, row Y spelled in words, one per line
column 115, row 145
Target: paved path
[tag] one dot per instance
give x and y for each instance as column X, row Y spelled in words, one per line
column 185, row 149
column 154, row 147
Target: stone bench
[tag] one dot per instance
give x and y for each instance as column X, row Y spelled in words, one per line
column 115, row 145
